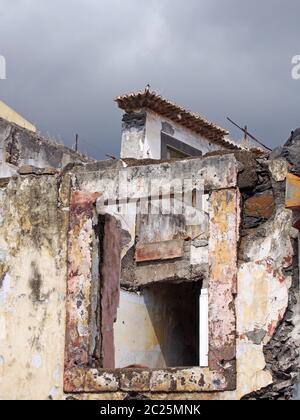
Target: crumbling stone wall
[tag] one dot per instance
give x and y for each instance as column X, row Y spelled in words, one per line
column 34, row 224
column 264, row 210
column 23, row 148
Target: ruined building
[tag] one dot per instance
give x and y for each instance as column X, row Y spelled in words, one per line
column 172, row 273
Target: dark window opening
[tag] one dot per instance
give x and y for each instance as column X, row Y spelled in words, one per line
column 158, row 327
column 172, row 148
column 175, row 154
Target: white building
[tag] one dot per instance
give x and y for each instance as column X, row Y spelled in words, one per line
column 154, row 128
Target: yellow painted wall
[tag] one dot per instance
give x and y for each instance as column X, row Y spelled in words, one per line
column 10, row 115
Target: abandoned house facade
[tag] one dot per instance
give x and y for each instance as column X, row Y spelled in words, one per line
column 170, row 273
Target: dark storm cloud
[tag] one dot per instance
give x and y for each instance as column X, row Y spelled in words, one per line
column 67, row 60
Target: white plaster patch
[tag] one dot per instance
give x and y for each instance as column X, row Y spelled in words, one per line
column 2, row 327
column 263, row 299
column 3, row 253
column 267, row 248
column 54, row 392
column 5, row 290
column 36, row 361
column 205, row 203
column 56, row 374
column 141, row 144
column 1, row 366
column 251, row 369
column 82, row 329
column 199, row 255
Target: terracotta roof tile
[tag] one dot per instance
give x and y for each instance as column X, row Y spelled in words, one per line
column 195, row 122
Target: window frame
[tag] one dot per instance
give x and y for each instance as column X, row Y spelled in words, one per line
column 82, row 375
column 168, row 141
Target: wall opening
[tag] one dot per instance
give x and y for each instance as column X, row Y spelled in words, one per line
column 158, row 327
column 172, row 148
column 173, row 153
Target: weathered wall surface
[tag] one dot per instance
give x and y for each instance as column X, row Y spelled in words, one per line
column 268, row 287
column 33, row 271
column 19, row 147
column 33, row 229
column 133, row 136
column 157, row 124
column 141, row 137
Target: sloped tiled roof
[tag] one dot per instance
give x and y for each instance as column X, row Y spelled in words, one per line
column 195, row 122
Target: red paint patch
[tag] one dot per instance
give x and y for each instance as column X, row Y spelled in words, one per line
column 287, row 262
column 272, row 328
column 159, row 251
column 81, row 200
column 270, row 265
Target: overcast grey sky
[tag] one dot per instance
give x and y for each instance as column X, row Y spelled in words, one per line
column 67, row 60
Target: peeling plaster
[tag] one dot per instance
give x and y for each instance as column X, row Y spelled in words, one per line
column 251, row 367
column 262, row 299
column 260, row 289
column 32, row 325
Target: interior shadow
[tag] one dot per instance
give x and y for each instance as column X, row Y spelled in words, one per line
column 174, row 313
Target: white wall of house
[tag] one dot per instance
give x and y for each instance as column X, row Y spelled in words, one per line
column 146, row 144
column 154, row 128
column 133, row 144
